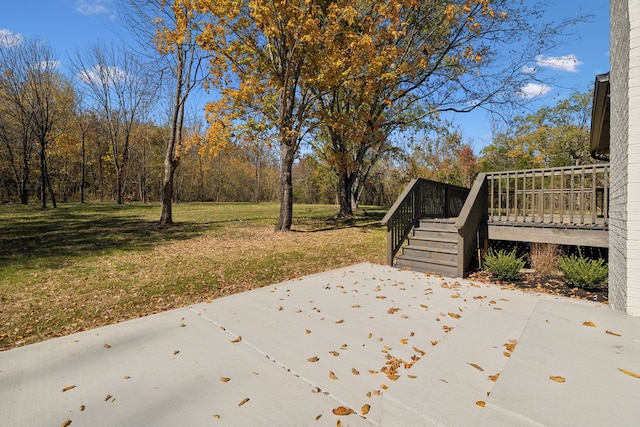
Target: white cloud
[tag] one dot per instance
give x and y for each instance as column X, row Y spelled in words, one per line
column 102, row 75
column 528, row 70
column 565, row 63
column 92, row 7
column 9, row 38
column 531, row 90
column 46, row 66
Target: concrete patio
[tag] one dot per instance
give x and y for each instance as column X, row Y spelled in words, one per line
column 398, row 348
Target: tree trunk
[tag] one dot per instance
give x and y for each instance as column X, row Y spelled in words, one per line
column 345, row 182
column 286, row 187
column 43, row 178
column 83, row 182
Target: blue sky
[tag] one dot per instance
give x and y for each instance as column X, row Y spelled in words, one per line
column 68, row 25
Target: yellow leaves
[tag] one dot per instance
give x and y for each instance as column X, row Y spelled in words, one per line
column 557, row 378
column 613, row 333
column 66, row 423
column 106, row 346
column 225, row 379
column 494, row 378
column 480, row 403
column 69, row 387
column 243, row 401
column 237, row 340
column 332, row 376
column 342, row 410
column 354, row 371
column 313, row 359
column 478, row 367
column 393, row 310
column 454, row 315
column 631, row 374
column 365, row 409
column 590, row 324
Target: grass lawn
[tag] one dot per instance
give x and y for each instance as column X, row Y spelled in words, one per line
column 81, row 266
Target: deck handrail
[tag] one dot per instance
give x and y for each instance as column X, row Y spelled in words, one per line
column 472, row 222
column 421, row 198
column 562, row 195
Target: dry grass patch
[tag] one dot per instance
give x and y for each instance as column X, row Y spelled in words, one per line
column 137, row 269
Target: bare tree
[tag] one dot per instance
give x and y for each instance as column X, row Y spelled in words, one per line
column 118, row 84
column 170, row 29
column 41, row 101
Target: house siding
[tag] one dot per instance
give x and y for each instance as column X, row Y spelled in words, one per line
column 624, row 221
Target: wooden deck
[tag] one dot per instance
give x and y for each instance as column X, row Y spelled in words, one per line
column 566, row 206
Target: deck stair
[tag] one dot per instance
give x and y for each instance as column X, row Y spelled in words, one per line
column 432, row 246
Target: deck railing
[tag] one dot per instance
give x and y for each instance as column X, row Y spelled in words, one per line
column 472, row 223
column 421, row 198
column 568, row 195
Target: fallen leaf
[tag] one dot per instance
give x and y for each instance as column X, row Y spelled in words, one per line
column 354, row 371
column 237, row 340
column 404, row 341
column 412, row 377
column 340, row 321
column 335, row 353
column 369, row 394
column 338, row 423
column 434, row 342
column 107, row 397
column 632, row 374
column 443, row 380
column 225, row 379
column 506, row 354
column 243, row 401
column 182, row 325
column 495, row 377
column 176, row 352
column 306, row 331
column 393, row 310
column 356, row 306
column 365, row 409
column 343, row 347
column 372, row 371
column 81, row 408
column 557, row 379
column 318, row 417
column 393, row 377
column 126, row 377
column 342, row 410
column 421, row 352
column 67, row 388
column 313, row 359
column 424, row 306
column 613, row 333
column 106, row 345
column 280, row 308
column 216, row 416
column 478, row 367
column 511, row 345
column 65, row 423
column 332, row 375
column 370, row 335
column 591, row 324
column 480, row 403
column 454, row 315
column 384, row 386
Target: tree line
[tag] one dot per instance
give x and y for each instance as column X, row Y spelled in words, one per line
column 313, row 101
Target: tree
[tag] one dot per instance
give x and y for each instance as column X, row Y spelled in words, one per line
column 268, row 49
column 387, row 65
column 173, row 27
column 117, row 83
column 549, row 137
column 39, row 102
column 440, row 155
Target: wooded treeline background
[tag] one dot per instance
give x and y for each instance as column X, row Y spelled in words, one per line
column 351, row 128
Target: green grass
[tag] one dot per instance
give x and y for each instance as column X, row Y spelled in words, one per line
column 81, row 266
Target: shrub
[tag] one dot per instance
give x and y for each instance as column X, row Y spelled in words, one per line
column 583, row 272
column 544, row 257
column 503, row 265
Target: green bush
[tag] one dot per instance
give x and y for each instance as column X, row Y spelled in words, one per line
column 584, row 272
column 503, row 265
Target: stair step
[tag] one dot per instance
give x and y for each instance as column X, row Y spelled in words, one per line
column 428, row 254
column 446, row 245
column 430, row 265
column 441, row 236
column 437, row 225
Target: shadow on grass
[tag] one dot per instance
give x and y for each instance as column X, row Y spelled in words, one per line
column 49, row 238
column 365, row 219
